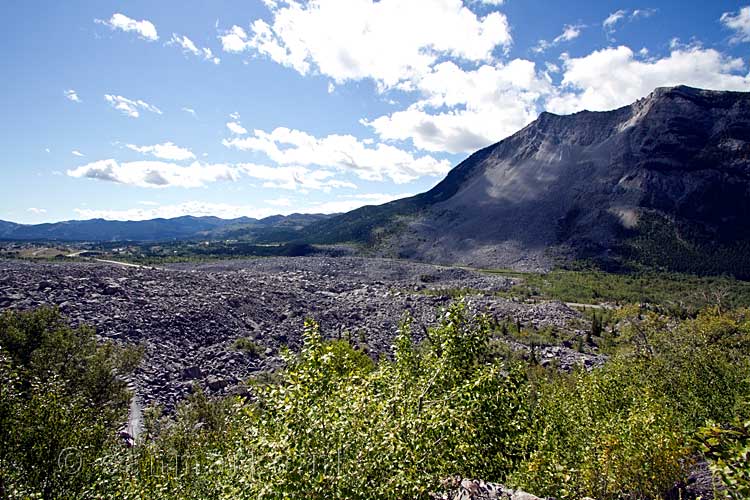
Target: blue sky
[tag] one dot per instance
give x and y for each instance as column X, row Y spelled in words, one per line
column 141, row 109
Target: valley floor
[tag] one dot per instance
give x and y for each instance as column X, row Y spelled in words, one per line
column 189, row 317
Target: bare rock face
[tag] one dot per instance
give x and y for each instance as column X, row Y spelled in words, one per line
column 674, row 165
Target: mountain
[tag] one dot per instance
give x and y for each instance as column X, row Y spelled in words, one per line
column 6, row 227
column 179, row 228
column 663, row 182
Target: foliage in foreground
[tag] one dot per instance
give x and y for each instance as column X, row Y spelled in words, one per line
column 729, row 452
column 61, row 396
column 338, row 425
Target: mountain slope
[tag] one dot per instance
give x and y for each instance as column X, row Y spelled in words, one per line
column 664, row 181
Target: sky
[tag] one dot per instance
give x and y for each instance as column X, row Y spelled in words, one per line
column 139, row 109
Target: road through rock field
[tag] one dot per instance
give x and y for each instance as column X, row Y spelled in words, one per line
column 188, row 316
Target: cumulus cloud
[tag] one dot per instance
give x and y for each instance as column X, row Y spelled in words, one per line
column 234, row 40
column 75, row 152
column 165, row 151
column 236, row 128
column 570, row 32
column 614, row 77
column 37, row 211
column 188, row 46
column 156, row 174
column 738, row 22
column 190, row 111
column 130, row 107
column 387, row 40
column 341, row 152
column 294, row 178
column 463, row 110
column 72, row 95
column 144, row 29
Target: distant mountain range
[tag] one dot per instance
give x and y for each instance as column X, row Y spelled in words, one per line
column 663, row 182
column 277, row 227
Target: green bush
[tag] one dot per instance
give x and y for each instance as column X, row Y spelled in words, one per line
column 61, row 398
column 335, row 424
column 249, row 346
column 339, row 426
column 728, row 452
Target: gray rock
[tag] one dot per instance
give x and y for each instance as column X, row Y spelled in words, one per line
column 191, row 373
column 188, row 316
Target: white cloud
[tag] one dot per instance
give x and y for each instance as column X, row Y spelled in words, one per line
column 145, row 29
column 37, row 211
column 236, row 128
column 279, row 206
column 188, row 45
column 492, row 2
column 331, row 87
column 611, row 21
column 194, row 208
column 341, row 152
column 234, row 40
column 294, row 178
column 389, row 41
column 190, row 111
column 570, row 32
column 350, row 202
column 462, row 111
column 75, row 152
column 72, row 95
column 156, row 174
column 130, row 107
column 280, row 202
column 483, row 106
column 613, row 77
column 234, row 116
column 739, row 23
column 642, row 13
column 165, row 151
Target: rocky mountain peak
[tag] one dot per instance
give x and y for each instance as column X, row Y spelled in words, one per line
column 672, row 168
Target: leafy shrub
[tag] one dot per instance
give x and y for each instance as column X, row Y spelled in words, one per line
column 728, row 451
column 335, row 424
column 61, row 396
column 340, row 427
column 598, row 436
column 249, row 346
